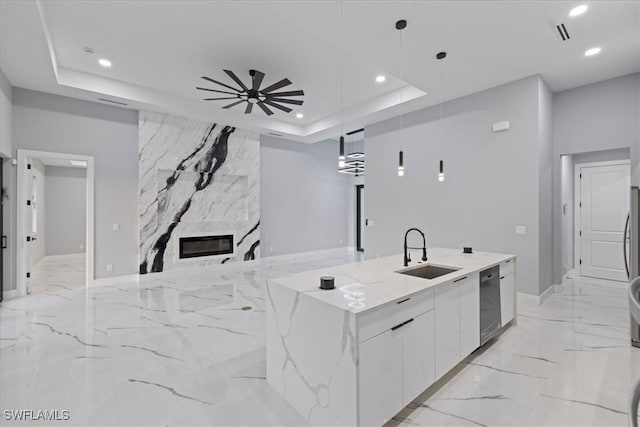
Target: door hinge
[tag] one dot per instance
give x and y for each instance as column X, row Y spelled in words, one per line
column 28, row 202
column 28, row 165
column 28, row 238
column 580, row 176
column 581, row 232
column 580, row 262
column 580, row 204
column 28, row 275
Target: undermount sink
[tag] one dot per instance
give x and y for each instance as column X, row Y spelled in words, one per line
column 428, row 271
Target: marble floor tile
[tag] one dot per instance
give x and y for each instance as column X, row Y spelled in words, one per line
column 187, row 349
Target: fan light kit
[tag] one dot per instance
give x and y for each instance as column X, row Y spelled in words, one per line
column 381, row 78
column 264, row 98
column 104, row 62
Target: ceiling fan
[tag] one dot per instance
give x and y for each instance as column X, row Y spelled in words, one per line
column 254, row 95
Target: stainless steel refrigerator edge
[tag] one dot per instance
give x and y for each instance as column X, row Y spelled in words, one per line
column 632, row 256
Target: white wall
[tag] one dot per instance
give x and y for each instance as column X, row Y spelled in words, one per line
column 46, row 122
column 567, row 212
column 38, row 245
column 303, row 200
column 596, row 117
column 6, row 111
column 491, row 183
column 545, row 198
column 6, row 141
column 66, row 206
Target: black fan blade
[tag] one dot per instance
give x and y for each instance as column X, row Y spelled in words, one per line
column 286, row 101
column 266, row 110
column 249, row 108
column 290, row 93
column 276, row 86
column 279, row 107
column 220, row 99
column 234, row 104
column 220, row 83
column 258, row 76
column 237, row 80
column 216, row 90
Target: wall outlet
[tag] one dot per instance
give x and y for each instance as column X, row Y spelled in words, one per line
column 116, row 227
column 340, row 241
column 521, row 229
column 109, row 267
column 81, row 247
column 270, row 248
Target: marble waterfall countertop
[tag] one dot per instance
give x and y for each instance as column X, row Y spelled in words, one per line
column 369, row 284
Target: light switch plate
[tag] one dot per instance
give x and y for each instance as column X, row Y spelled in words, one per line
column 521, row 229
column 116, row 227
column 109, row 267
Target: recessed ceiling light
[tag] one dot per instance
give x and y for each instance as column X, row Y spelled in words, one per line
column 104, row 62
column 578, row 10
column 592, row 51
column 81, row 163
column 299, row 115
column 380, row 78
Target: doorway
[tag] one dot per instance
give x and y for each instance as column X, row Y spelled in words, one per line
column 54, row 221
column 601, row 208
column 361, row 222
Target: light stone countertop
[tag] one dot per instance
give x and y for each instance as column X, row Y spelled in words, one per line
column 363, row 286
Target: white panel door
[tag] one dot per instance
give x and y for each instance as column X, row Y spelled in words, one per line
column 418, row 356
column 604, row 198
column 380, row 378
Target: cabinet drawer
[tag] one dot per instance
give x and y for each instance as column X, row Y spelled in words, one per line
column 389, row 315
column 507, row 267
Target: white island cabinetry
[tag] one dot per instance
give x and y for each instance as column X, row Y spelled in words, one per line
column 358, row 354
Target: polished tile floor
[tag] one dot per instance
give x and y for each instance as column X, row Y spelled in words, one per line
column 188, row 349
column 54, row 274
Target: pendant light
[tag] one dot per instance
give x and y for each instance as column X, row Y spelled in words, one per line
column 440, row 56
column 341, row 156
column 401, row 25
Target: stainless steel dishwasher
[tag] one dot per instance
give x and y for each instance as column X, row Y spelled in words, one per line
column 490, row 320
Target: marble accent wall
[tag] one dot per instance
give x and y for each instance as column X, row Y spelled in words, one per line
column 196, row 178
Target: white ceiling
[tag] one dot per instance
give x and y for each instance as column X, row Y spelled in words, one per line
column 159, row 50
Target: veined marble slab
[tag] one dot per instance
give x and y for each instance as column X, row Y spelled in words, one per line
column 196, row 178
column 372, row 283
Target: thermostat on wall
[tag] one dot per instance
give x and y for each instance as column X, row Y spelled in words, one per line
column 500, row 126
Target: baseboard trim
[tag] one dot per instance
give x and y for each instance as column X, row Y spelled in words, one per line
column 10, row 294
column 308, row 254
column 528, row 299
column 546, row 294
column 141, row 278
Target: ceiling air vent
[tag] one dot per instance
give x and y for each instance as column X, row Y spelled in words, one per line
column 562, row 31
column 274, row 134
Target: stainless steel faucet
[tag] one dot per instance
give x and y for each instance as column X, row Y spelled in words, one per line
column 407, row 259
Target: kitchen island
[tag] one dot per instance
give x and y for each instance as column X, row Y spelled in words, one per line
column 358, row 354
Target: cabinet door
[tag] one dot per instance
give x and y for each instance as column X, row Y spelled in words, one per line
column 469, row 314
column 418, row 356
column 447, row 327
column 380, row 378
column 507, row 296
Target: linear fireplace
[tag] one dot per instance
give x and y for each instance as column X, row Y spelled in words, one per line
column 205, row 246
